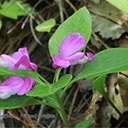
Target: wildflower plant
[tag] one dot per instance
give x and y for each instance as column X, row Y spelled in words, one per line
column 24, row 86
column 69, row 52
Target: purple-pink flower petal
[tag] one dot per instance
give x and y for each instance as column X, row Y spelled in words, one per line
column 75, row 58
column 21, row 52
column 19, row 60
column 71, row 44
column 7, row 61
column 5, row 92
column 58, row 62
column 27, row 86
column 90, row 56
column 24, row 63
column 69, row 54
column 15, row 85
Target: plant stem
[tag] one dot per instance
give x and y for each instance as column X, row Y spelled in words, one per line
column 56, row 76
column 43, row 79
column 61, row 111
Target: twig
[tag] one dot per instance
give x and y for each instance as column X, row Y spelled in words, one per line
column 60, row 5
column 11, row 29
column 98, row 39
column 40, row 114
column 30, row 120
column 33, row 32
column 126, row 75
column 71, row 5
column 30, row 13
column 73, row 102
column 2, row 125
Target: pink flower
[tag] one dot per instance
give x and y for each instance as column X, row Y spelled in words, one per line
column 19, row 60
column 15, row 85
column 90, row 56
column 69, row 52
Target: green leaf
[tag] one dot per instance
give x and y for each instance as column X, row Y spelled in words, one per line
column 14, row 9
column 43, row 91
column 46, row 26
column 40, row 91
column 17, row 102
column 122, row 5
column 99, row 84
column 61, row 83
column 87, row 123
column 80, row 22
column 107, row 61
column 22, row 73
column 51, row 101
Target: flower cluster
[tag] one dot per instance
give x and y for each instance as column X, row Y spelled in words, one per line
column 69, row 52
column 15, row 84
column 18, row 60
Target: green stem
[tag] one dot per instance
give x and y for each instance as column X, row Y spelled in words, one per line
column 45, row 103
column 62, row 110
column 43, row 79
column 56, row 76
column 67, row 86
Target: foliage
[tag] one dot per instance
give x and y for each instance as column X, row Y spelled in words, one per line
column 80, row 22
column 22, row 73
column 13, row 10
column 98, row 84
column 18, row 102
column 8, row 8
column 107, row 61
column 87, row 123
column 46, row 26
column 43, row 91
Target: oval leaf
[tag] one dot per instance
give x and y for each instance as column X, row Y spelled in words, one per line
column 17, row 102
column 14, row 9
column 40, row 91
column 61, row 83
column 107, row 61
column 46, row 26
column 43, row 91
column 80, row 22
column 22, row 73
